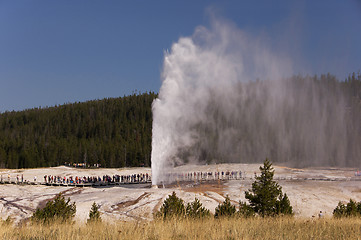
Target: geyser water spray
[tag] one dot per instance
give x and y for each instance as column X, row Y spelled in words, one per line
column 198, row 70
column 212, row 108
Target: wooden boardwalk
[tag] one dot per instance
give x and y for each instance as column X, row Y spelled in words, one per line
column 96, row 184
column 110, row 184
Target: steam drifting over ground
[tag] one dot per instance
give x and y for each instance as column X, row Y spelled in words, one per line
column 213, row 108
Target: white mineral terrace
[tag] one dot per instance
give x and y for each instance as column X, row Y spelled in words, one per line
column 310, row 190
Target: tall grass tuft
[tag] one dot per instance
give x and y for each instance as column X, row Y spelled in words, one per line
column 186, row 228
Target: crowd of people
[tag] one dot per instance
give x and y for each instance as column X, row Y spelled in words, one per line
column 204, row 176
column 18, row 178
column 134, row 178
column 143, row 178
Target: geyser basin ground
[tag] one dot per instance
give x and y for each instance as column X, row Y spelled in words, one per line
column 307, row 196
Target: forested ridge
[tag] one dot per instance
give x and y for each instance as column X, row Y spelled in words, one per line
column 300, row 121
column 114, row 132
column 117, row 132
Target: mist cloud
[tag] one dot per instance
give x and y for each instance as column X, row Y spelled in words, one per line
column 212, row 107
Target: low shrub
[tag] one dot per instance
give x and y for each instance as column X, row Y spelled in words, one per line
column 94, row 214
column 195, row 209
column 225, row 209
column 351, row 209
column 173, row 207
column 245, row 210
column 57, row 209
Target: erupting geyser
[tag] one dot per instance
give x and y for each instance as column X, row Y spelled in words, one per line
column 212, row 108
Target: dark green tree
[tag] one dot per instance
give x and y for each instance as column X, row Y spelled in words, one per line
column 196, row 210
column 57, row 209
column 94, row 214
column 283, row 205
column 351, row 209
column 265, row 196
column 225, row 209
column 340, row 210
column 245, row 210
column 173, row 207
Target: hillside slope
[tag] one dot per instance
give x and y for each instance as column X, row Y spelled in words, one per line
column 114, row 132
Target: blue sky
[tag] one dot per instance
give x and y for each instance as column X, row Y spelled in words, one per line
column 55, row 52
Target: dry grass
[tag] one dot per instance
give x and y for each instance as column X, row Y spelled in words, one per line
column 271, row 228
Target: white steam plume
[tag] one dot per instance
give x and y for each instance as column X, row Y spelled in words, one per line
column 211, row 109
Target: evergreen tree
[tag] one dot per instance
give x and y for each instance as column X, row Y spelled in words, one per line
column 57, row 209
column 225, row 209
column 245, row 210
column 284, row 206
column 94, row 214
column 173, row 207
column 265, row 196
column 351, row 209
column 196, row 210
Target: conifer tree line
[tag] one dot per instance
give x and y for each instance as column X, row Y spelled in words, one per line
column 117, row 132
column 114, row 132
